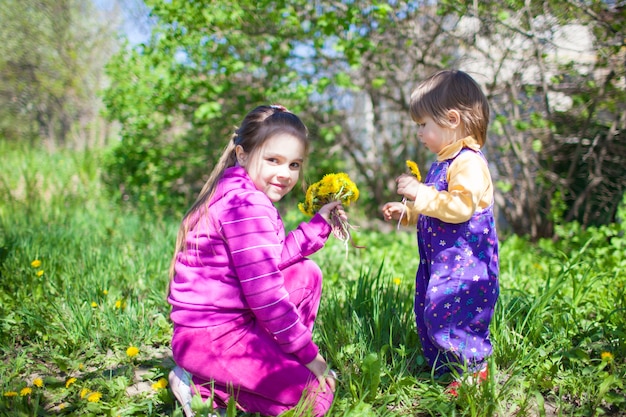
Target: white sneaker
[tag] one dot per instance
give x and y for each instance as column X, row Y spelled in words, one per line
column 180, row 383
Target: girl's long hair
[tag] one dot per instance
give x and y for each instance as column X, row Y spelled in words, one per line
column 259, row 125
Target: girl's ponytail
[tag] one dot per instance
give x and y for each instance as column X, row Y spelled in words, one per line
column 227, row 160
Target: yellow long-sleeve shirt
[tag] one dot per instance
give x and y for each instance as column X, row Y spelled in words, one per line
column 469, row 187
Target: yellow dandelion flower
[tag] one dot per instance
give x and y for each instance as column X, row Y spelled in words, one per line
column 36, row 263
column 415, row 170
column 132, row 351
column 70, row 382
column 397, row 281
column 308, row 207
column 26, row 391
column 118, row 304
column 94, row 304
column 346, row 189
column 332, row 187
column 326, row 186
column 39, row 273
column 84, row 392
column 94, row 397
column 10, row 394
column 38, row 382
column 606, row 357
column 105, row 292
column 160, row 384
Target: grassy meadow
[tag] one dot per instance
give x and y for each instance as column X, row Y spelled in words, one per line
column 84, row 326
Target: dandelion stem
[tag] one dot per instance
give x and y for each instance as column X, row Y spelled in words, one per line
column 341, row 230
column 402, row 213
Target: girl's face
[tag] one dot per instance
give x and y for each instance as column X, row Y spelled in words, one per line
column 275, row 168
column 433, row 136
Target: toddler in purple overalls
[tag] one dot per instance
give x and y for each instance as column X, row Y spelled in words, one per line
column 457, row 278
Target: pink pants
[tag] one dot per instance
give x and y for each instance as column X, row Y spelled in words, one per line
column 241, row 359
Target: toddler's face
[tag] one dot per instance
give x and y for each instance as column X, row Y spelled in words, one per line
column 433, row 136
column 276, row 167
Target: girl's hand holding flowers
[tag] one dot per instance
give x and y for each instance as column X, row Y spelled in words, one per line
column 327, row 197
column 327, row 209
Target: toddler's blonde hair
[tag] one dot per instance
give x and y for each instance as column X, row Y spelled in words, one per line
column 452, row 90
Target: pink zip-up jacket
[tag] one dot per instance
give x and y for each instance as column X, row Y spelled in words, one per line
column 232, row 265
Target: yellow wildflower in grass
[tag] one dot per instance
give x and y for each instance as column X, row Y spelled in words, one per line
column 132, row 351
column 10, row 394
column 332, row 187
column 38, row 382
column 94, row 304
column 81, row 366
column 94, row 397
column 105, row 292
column 70, row 382
column 160, row 384
column 118, row 304
column 26, row 391
column 40, row 273
column 606, row 357
column 84, row 392
column 397, row 281
column 36, row 263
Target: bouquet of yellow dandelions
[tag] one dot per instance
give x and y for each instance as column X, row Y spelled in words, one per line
column 414, row 170
column 332, row 187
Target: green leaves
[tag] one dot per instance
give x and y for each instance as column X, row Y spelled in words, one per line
column 180, row 96
column 371, row 369
column 558, row 329
column 208, row 110
column 51, row 59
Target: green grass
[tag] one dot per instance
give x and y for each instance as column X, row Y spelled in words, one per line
column 558, row 332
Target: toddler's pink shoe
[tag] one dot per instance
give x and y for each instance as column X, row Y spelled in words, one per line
column 476, row 378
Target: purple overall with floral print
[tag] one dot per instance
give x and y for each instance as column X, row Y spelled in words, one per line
column 456, row 284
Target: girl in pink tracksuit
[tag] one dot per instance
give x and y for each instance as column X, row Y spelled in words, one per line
column 244, row 296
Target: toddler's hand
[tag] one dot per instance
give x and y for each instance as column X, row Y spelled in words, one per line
column 327, row 208
column 393, row 210
column 408, row 186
